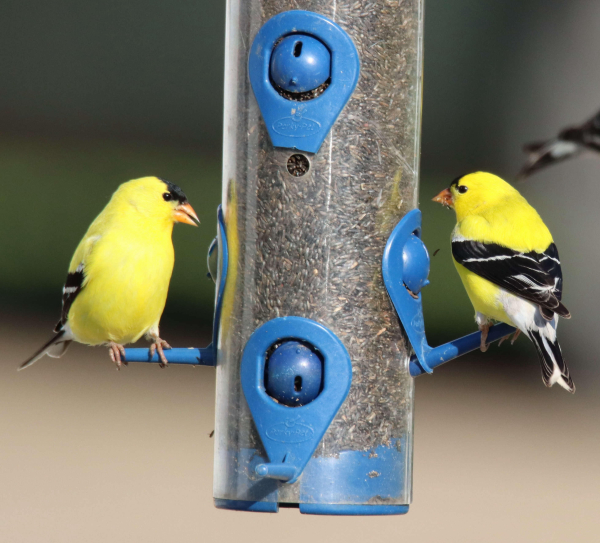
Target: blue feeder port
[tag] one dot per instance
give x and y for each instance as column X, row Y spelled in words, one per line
column 297, row 51
column 405, row 268
column 415, row 259
column 293, row 374
column 300, row 63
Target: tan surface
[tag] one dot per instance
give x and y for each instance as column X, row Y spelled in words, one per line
column 88, row 454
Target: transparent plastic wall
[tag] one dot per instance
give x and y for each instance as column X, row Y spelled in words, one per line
column 312, row 246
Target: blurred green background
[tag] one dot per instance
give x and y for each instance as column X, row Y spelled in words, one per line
column 91, row 95
column 94, row 94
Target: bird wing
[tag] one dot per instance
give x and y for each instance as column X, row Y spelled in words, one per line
column 542, row 154
column 76, row 278
column 72, row 288
column 534, row 276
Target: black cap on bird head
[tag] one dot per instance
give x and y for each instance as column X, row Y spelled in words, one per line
column 175, row 191
column 456, row 181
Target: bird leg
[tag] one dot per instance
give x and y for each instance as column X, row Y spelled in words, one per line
column 115, row 352
column 484, row 328
column 157, row 346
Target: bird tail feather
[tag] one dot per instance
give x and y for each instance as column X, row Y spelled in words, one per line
column 55, row 348
column 554, row 368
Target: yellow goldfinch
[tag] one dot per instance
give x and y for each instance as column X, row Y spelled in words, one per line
column 509, row 265
column 117, row 284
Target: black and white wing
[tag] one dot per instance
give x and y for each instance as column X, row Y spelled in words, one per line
column 570, row 142
column 542, row 154
column 72, row 288
column 536, row 277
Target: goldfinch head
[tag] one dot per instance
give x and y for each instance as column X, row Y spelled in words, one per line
column 473, row 192
column 157, row 199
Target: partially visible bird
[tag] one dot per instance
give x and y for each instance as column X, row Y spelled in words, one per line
column 509, row 265
column 569, row 143
column 117, row 284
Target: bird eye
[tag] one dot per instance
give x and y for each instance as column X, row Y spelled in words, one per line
column 462, row 189
column 167, row 196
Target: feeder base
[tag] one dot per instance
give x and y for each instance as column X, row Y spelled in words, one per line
column 314, row 508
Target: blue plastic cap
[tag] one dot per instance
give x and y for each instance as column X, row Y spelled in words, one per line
column 415, row 260
column 291, row 434
column 295, row 124
column 300, row 63
column 293, row 374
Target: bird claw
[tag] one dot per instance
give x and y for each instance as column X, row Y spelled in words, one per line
column 484, row 334
column 157, row 346
column 115, row 352
column 513, row 339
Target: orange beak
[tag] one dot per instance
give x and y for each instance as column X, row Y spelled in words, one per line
column 445, row 198
column 185, row 213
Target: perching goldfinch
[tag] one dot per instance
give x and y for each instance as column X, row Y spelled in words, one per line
column 509, row 265
column 569, row 143
column 117, row 284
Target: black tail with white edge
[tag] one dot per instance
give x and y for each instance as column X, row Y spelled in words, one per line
column 554, row 368
column 55, row 348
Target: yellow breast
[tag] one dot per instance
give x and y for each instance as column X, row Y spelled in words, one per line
column 127, row 279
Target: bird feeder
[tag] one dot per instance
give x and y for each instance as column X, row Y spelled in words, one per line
column 319, row 253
